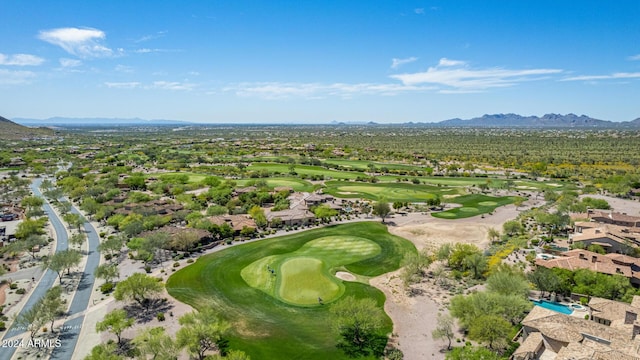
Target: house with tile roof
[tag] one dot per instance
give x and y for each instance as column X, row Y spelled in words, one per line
column 611, row 264
column 547, row 334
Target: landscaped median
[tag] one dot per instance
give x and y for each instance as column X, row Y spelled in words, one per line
column 277, row 293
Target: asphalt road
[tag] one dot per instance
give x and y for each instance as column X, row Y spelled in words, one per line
column 71, row 329
column 49, row 277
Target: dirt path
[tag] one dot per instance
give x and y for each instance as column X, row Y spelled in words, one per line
column 414, row 317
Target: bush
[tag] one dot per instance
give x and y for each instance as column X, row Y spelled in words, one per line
column 13, row 286
column 106, row 287
column 160, row 316
column 21, row 291
column 3, row 326
column 586, row 316
column 147, row 269
column 189, row 261
column 176, row 264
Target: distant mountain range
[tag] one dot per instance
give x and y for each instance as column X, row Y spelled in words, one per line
column 12, row 131
column 486, row 121
column 545, row 121
column 97, row 122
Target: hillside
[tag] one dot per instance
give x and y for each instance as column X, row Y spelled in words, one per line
column 545, row 121
column 12, row 131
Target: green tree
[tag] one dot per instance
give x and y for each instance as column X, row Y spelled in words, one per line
column 32, row 319
column 382, row 209
column 30, row 227
column 52, row 305
column 491, row 329
column 512, row 227
column 444, row 328
column 78, row 239
column 63, row 260
column 104, row 352
column 459, row 252
column 472, row 353
column 545, row 280
column 113, row 244
column 74, row 220
column 324, row 212
column 115, row 322
column 257, row 214
column 201, row 332
column 508, row 283
column 32, row 243
column 493, row 234
column 156, row 344
column 476, row 263
column 32, row 202
column 139, row 288
column 358, row 321
column 108, row 272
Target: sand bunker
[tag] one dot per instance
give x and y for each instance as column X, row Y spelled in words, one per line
column 343, row 275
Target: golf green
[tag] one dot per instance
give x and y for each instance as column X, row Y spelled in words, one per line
column 305, row 277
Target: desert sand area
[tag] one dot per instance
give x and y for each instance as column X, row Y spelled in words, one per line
column 414, row 317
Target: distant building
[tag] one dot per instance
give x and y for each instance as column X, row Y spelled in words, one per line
column 613, row 238
column 610, row 217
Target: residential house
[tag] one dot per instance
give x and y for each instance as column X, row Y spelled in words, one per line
column 613, row 238
column 611, row 264
column 292, row 217
column 610, row 217
column 547, row 334
column 237, row 222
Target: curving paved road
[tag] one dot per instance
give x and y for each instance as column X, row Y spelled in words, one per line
column 70, row 331
column 49, row 277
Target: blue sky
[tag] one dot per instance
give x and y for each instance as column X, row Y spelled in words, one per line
column 319, row 61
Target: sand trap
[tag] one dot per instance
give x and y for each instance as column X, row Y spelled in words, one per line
column 343, row 275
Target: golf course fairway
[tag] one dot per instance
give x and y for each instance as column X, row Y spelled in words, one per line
column 277, row 315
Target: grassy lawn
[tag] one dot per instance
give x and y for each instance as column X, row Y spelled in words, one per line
column 305, row 169
column 390, row 191
column 294, row 183
column 237, row 283
column 193, row 177
column 473, row 205
column 363, row 165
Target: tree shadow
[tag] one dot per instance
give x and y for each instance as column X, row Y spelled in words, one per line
column 150, row 310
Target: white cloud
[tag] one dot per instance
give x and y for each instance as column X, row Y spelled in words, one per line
column 172, row 85
column 449, row 62
column 83, row 43
column 419, row 11
column 633, row 75
column 123, row 85
column 161, row 85
column 69, row 63
column 634, row 57
column 20, row 60
column 454, row 75
column 396, row 63
column 144, row 38
column 277, row 90
column 18, row 77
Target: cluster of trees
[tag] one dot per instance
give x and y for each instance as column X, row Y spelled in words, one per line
column 201, row 333
column 491, row 316
column 49, row 308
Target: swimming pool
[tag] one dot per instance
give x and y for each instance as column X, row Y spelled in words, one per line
column 557, row 307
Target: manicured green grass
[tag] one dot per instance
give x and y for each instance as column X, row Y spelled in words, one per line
column 389, row 191
column 473, row 205
column 266, row 327
column 302, row 276
column 294, row 183
column 306, row 169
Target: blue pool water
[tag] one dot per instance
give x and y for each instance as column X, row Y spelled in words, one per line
column 563, row 309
